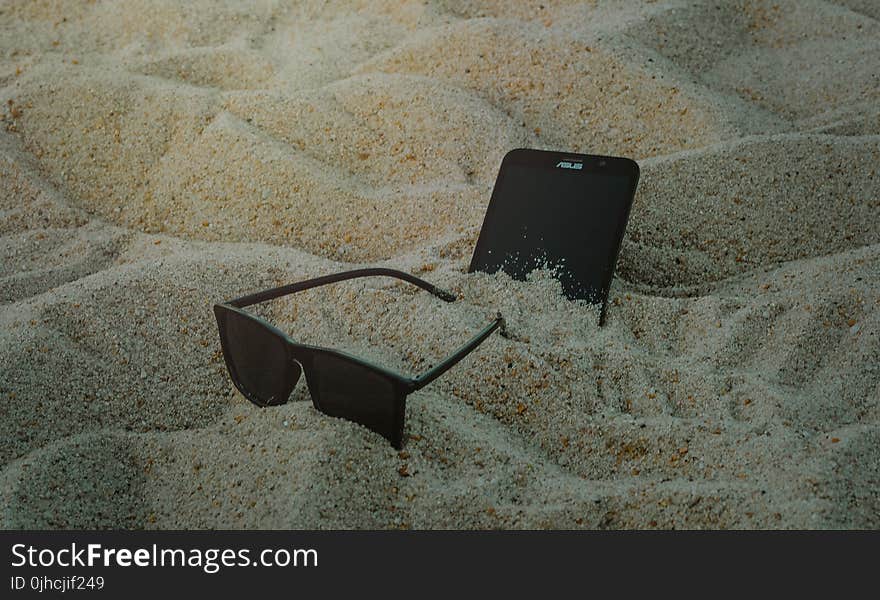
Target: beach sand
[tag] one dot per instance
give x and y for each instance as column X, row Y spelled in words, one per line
column 157, row 157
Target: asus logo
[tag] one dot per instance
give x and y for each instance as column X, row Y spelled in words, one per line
column 569, row 165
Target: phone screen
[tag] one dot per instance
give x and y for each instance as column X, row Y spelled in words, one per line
column 562, row 212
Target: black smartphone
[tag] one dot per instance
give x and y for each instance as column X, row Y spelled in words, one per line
column 561, row 211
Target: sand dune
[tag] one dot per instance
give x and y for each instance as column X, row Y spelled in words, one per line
column 820, row 197
column 157, row 157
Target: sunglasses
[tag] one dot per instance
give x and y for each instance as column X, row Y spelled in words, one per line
column 265, row 364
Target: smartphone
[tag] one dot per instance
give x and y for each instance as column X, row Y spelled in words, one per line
column 561, row 211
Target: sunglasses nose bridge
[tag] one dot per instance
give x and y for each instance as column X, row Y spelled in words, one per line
column 302, row 376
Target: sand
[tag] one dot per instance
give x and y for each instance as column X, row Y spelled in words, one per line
column 158, row 157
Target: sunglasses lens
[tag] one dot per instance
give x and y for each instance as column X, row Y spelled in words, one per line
column 346, row 389
column 257, row 359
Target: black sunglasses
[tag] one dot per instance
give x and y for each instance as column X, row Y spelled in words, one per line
column 265, row 364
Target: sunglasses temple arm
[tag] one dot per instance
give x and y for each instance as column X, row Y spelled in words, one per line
column 337, row 277
column 435, row 372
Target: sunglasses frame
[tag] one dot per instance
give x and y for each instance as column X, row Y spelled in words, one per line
column 304, row 354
